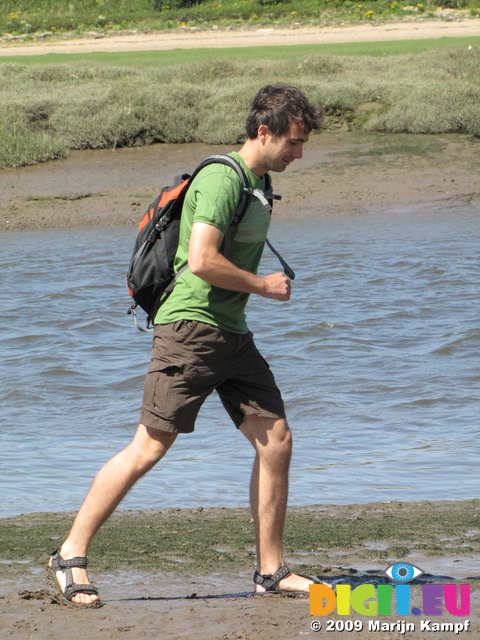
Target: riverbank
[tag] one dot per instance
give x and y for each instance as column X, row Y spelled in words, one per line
column 187, row 573
column 341, row 173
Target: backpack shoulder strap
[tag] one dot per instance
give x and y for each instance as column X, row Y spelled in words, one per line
column 269, row 191
column 221, row 158
column 266, row 196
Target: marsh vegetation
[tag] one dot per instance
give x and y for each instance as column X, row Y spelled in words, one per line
column 116, row 100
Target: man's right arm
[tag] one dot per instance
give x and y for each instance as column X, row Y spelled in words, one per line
column 207, row 262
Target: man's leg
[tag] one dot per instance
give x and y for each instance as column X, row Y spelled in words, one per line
column 111, row 484
column 272, row 441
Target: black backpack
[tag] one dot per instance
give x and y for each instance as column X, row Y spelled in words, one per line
column 150, row 277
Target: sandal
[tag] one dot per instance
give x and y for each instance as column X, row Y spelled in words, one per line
column 57, row 563
column 270, row 581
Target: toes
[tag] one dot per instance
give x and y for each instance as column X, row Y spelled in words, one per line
column 84, row 598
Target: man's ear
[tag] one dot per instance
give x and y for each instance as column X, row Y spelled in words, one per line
column 263, row 133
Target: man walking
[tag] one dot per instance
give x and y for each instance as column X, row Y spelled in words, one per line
column 201, row 343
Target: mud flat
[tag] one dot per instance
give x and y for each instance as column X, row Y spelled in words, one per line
column 188, row 573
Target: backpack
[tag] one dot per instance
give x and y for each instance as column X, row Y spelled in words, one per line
column 150, row 277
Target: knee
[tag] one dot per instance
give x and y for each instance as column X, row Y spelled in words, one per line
column 271, row 438
column 150, row 445
column 280, row 442
column 286, row 441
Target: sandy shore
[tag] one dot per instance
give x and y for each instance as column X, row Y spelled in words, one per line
column 154, row 603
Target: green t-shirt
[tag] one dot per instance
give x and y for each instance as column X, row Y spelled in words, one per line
column 212, row 199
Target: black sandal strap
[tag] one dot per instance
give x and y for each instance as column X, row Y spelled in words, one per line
column 80, row 562
column 73, row 589
column 270, row 581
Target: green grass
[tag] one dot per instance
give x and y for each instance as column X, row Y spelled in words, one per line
column 114, row 100
column 211, row 539
column 29, row 17
column 177, row 57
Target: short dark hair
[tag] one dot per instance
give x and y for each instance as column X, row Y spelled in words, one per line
column 277, row 106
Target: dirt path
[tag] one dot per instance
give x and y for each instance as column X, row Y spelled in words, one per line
column 218, row 38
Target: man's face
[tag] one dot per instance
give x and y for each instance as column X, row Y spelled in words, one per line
column 280, row 151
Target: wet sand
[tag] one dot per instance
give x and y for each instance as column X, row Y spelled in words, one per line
column 341, row 173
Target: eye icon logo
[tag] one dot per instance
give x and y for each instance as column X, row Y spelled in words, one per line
column 402, row 572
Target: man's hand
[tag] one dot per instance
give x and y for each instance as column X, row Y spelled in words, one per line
column 277, row 287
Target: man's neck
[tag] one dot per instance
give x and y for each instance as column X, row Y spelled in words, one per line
column 252, row 158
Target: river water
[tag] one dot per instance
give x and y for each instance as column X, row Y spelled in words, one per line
column 377, row 356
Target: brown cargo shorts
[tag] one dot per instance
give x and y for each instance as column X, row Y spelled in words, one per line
column 191, row 359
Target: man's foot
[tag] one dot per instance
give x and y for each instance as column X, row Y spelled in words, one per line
column 282, row 581
column 294, row 583
column 70, row 578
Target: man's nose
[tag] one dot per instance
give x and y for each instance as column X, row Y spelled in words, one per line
column 298, row 152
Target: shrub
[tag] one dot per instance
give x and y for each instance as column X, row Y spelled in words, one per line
column 46, row 109
column 22, row 145
column 160, row 5
column 451, row 4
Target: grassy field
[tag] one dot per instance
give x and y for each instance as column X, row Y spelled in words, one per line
column 26, row 18
column 48, row 107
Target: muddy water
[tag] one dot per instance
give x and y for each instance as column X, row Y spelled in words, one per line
column 376, row 354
